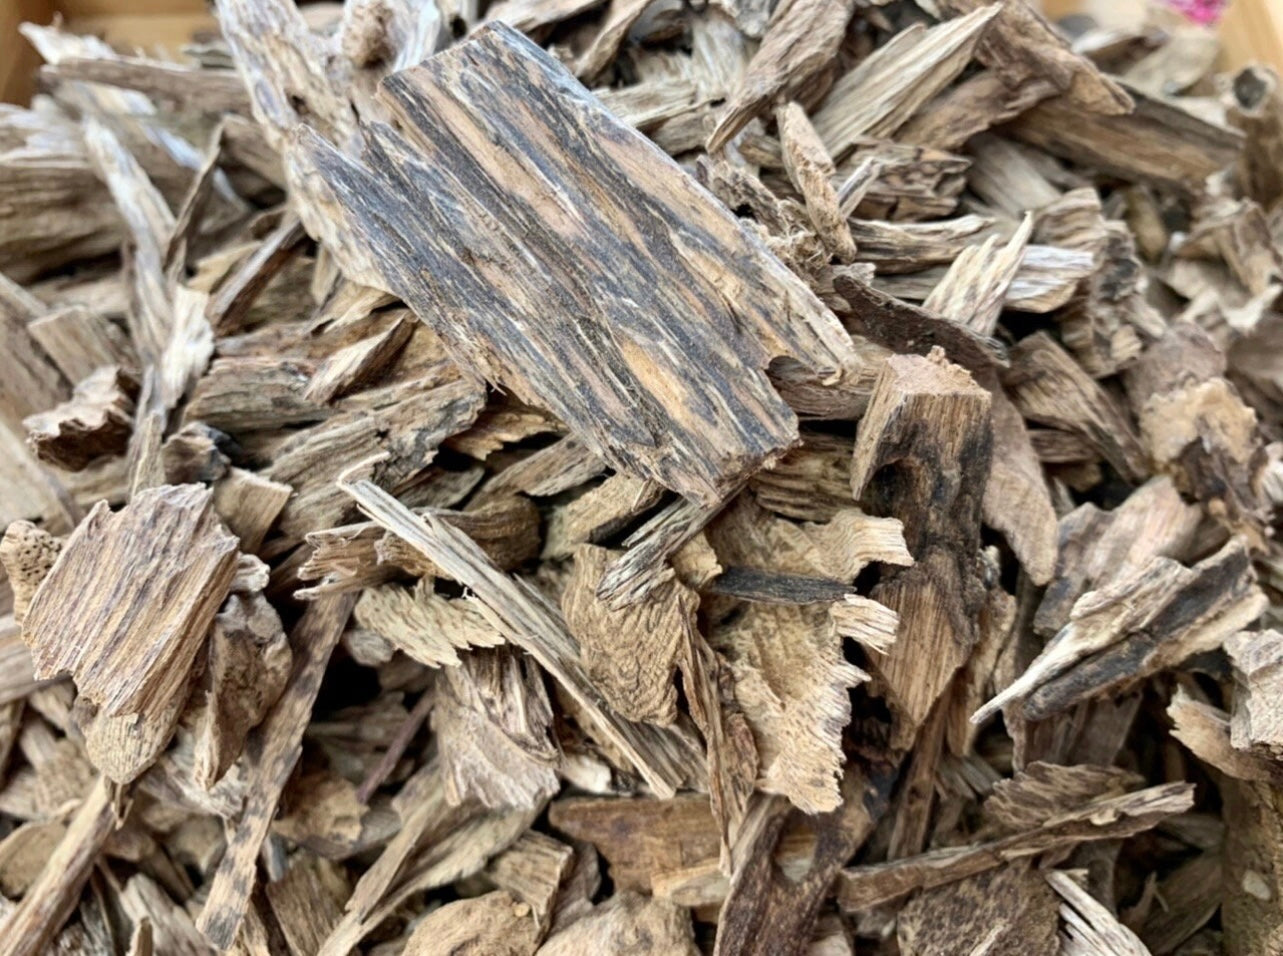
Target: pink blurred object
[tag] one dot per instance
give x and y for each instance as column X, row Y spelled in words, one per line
column 1205, row 12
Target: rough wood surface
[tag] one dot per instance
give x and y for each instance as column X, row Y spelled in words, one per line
column 646, row 415
column 811, row 490
column 927, row 410
column 272, row 753
column 126, row 605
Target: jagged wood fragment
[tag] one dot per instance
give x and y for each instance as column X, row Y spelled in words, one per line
column 246, row 669
column 349, row 366
column 561, row 466
column 122, row 746
column 663, row 430
column 229, row 306
column 458, row 844
column 1205, row 730
column 143, row 899
column 492, row 719
column 770, row 912
column 885, row 90
column 1257, row 724
column 49, row 901
column 305, row 902
column 1098, row 547
column 129, row 641
column 79, row 340
column 500, row 426
column 272, row 750
column 972, row 106
column 731, row 751
column 32, row 383
column 973, row 290
column 247, row 393
column 644, row 565
column 507, row 529
column 1158, row 142
column 526, row 619
column 1205, row 436
column 791, row 679
column 249, row 505
column 207, row 90
column 635, row 677
column 909, row 246
column 793, row 685
column 799, row 44
column 356, row 556
column 600, row 512
column 902, row 327
column 1022, row 46
column 1103, row 818
column 532, row 870
column 1090, row 927
column 640, row 837
column 811, row 170
column 1049, row 387
column 429, row 627
column 1017, row 502
column 57, row 211
column 97, row 421
column 493, row 924
column 1136, row 626
column 402, row 435
column 620, row 18
column 812, row 482
column 926, row 412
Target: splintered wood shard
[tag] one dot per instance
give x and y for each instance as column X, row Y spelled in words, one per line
column 1135, row 625
column 1101, row 818
column 52, row 897
column 272, row 751
column 629, row 654
column 549, row 244
column 922, row 452
column 526, row 619
column 127, row 604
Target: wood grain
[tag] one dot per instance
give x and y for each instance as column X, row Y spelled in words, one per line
column 554, row 245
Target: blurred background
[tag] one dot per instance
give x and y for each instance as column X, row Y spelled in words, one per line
column 1248, row 30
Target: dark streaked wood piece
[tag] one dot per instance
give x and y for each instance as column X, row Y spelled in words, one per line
column 922, row 453
column 777, row 587
column 503, row 156
column 766, row 912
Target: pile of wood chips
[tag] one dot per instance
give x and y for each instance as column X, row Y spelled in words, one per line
column 811, row 494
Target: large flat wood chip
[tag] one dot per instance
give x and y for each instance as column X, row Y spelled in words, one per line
column 566, row 258
column 126, row 606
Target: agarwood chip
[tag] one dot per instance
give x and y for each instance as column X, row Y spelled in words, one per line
column 630, row 654
column 126, row 606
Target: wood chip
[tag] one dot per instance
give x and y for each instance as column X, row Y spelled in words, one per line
column 744, row 478
column 139, row 659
